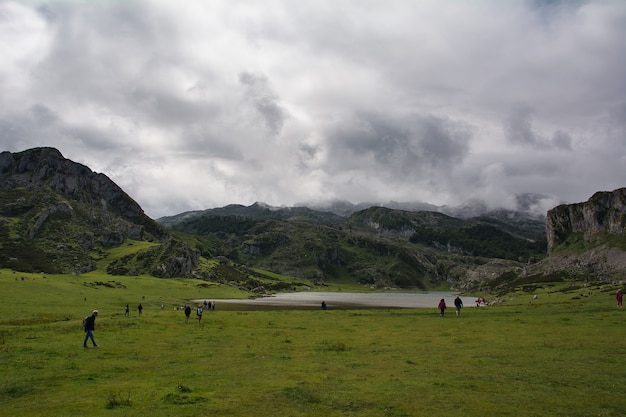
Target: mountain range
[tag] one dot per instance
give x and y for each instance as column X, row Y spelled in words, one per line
column 57, row 216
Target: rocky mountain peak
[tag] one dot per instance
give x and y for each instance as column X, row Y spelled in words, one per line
column 40, row 168
column 58, row 216
column 604, row 212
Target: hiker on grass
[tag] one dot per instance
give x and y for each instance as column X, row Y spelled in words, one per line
column 90, row 326
column 619, row 296
column 199, row 313
column 187, row 312
column 458, row 305
column 127, row 311
column 140, row 308
column 442, row 307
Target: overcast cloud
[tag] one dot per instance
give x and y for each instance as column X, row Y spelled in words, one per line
column 198, row 104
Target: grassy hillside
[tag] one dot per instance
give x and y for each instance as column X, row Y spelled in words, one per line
column 557, row 354
column 42, row 231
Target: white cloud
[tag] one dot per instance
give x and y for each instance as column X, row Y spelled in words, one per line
column 200, row 104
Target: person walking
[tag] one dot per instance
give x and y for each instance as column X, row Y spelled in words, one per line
column 90, row 326
column 140, row 308
column 458, row 305
column 127, row 311
column 199, row 313
column 187, row 312
column 619, row 296
column 442, row 307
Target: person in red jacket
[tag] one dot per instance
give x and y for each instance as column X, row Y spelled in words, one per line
column 619, row 296
column 442, row 307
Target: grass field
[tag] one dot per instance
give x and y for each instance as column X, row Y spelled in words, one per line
column 562, row 354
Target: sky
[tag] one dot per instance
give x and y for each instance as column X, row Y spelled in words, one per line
column 195, row 104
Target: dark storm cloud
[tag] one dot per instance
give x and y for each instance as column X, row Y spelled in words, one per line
column 264, row 100
column 167, row 108
column 43, row 116
column 562, row 140
column 202, row 142
column 520, row 131
column 27, row 127
column 400, row 146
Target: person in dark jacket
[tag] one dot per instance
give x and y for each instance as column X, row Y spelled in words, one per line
column 187, row 312
column 90, row 326
column 458, row 305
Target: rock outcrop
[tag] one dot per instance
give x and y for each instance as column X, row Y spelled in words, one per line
column 46, row 168
column 63, row 215
column 604, row 212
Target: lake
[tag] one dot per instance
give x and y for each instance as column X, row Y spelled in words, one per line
column 340, row 300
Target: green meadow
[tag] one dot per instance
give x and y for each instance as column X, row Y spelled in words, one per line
column 562, row 353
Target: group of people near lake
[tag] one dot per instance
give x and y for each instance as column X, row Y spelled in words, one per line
column 89, row 322
column 458, row 305
column 208, row 306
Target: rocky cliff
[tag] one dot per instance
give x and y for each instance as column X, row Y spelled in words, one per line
column 39, row 169
column 604, row 212
column 588, row 238
column 58, row 216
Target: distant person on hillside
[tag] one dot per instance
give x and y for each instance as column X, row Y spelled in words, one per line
column 213, row 306
column 458, row 305
column 187, row 312
column 323, row 305
column 127, row 311
column 442, row 307
column 140, row 308
column 199, row 313
column 90, row 326
column 619, row 296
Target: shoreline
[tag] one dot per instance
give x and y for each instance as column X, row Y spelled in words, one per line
column 340, row 300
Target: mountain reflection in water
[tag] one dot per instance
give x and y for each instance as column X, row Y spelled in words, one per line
column 340, row 300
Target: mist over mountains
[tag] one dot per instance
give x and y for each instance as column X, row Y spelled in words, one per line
column 527, row 216
column 530, row 205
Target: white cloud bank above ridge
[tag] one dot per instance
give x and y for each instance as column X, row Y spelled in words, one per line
column 201, row 104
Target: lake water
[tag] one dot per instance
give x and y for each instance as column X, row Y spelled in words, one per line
column 341, row 300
